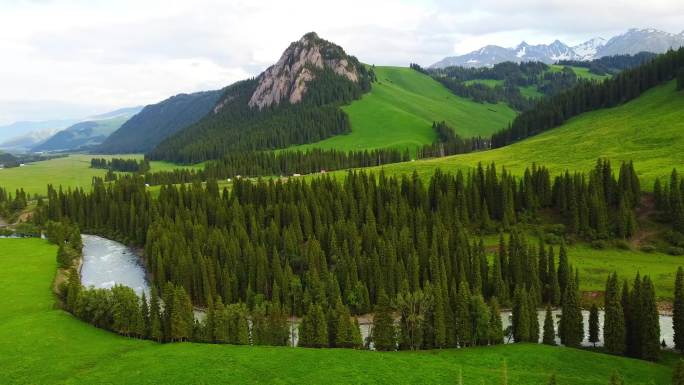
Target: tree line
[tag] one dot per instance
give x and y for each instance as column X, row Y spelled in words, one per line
column 121, row 165
column 588, row 96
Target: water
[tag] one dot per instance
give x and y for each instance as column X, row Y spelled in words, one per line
column 666, row 332
column 107, row 263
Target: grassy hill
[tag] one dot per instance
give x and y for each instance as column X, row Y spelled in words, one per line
column 400, row 108
column 648, row 130
column 40, row 344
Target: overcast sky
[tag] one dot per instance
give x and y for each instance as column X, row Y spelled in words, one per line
column 71, row 58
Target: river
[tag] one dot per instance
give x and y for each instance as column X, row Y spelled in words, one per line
column 107, row 262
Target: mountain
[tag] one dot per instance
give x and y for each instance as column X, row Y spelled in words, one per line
column 631, row 42
column 157, row 121
column 82, row 135
column 641, row 40
column 127, row 111
column 295, row 101
column 588, row 50
column 23, row 128
column 24, row 143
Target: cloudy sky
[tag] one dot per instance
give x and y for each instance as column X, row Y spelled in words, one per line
column 72, row 58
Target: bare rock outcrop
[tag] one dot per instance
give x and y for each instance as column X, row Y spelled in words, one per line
column 288, row 78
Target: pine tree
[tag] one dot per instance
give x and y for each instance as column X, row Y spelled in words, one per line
column 464, row 322
column 156, row 330
column 650, row 325
column 495, row 327
column 549, row 337
column 564, row 272
column 680, row 79
column 571, row 328
column 613, row 318
column 480, row 320
column 678, row 311
column 384, row 331
column 521, row 316
column 593, row 324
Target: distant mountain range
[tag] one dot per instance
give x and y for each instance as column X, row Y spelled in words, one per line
column 59, row 135
column 158, row 121
column 630, row 42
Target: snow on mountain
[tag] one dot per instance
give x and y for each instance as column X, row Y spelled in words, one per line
column 588, row 49
column 631, row 42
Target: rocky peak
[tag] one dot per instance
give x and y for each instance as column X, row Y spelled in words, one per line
column 287, row 79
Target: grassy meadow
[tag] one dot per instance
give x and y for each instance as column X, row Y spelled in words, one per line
column 72, row 171
column 400, row 108
column 40, row 344
column 648, row 130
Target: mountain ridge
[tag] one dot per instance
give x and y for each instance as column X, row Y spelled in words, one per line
column 631, row 42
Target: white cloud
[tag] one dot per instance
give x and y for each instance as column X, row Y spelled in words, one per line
column 110, row 54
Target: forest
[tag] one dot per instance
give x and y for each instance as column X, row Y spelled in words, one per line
column 325, row 250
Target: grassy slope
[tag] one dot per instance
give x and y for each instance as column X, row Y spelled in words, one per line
column 648, row 130
column 400, row 109
column 72, row 171
column 581, row 72
column 39, row 344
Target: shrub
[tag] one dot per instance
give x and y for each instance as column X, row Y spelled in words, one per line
column 622, row 245
column 648, row 248
column 674, row 250
column 599, row 244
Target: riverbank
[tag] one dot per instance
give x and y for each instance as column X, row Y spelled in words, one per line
column 33, row 333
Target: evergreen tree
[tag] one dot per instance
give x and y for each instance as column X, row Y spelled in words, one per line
column 480, row 320
column 614, row 318
column 549, row 337
column 464, row 321
column 521, row 316
column 680, row 79
column 384, row 331
column 156, row 330
column 678, row 311
column 593, row 324
column 495, row 327
column 571, row 329
column 649, row 325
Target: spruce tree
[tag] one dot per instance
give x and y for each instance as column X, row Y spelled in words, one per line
column 613, row 318
column 464, row 322
column 678, row 311
column 480, row 320
column 384, row 331
column 549, row 337
column 680, row 79
column 495, row 327
column 521, row 316
column 593, row 324
column 571, row 328
column 650, row 325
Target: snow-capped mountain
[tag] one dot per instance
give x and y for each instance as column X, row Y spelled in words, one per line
column 641, row 40
column 589, row 49
column 631, row 42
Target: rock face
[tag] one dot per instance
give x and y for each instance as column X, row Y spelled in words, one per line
column 288, row 78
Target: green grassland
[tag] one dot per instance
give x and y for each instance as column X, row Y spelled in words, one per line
column 40, row 344
column 648, row 130
column 487, row 82
column 71, row 171
column 581, row 72
column 399, row 110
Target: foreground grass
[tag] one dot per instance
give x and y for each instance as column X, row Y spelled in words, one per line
column 647, row 130
column 72, row 171
column 43, row 345
column 400, row 108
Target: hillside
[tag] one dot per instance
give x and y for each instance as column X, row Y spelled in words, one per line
column 400, row 108
column 647, row 130
column 82, row 135
column 295, row 101
column 33, row 332
column 158, row 121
